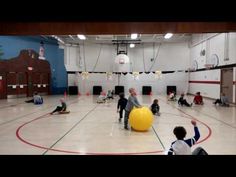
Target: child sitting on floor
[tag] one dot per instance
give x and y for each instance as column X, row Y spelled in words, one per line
column 172, row 96
column 37, row 99
column 183, row 101
column 155, row 108
column 101, row 98
column 223, row 101
column 61, row 108
column 198, row 99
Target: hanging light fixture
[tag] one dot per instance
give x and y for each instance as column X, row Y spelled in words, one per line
column 136, row 75
column 109, row 75
column 85, row 75
column 168, row 35
column 158, row 74
column 132, row 45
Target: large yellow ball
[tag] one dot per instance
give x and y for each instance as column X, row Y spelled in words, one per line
column 141, row 119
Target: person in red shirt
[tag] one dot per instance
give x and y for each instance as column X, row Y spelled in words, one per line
column 198, row 99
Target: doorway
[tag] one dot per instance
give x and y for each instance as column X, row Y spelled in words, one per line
column 227, row 83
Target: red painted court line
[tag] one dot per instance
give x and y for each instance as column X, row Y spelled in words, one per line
column 209, row 129
column 97, row 153
column 18, row 135
column 205, row 82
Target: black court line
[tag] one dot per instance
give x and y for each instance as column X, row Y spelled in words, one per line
column 158, row 138
column 20, row 117
column 70, row 129
column 212, row 117
column 11, row 105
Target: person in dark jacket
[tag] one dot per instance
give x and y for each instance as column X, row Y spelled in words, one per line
column 155, row 108
column 121, row 105
column 183, row 101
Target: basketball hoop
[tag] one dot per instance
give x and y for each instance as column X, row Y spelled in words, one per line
column 122, row 59
column 209, row 66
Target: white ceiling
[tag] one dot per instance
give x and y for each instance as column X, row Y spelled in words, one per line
column 144, row 38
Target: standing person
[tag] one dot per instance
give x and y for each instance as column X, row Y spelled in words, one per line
column 182, row 146
column 60, row 108
column 121, row 105
column 132, row 102
column 183, row 101
column 155, row 108
column 198, row 99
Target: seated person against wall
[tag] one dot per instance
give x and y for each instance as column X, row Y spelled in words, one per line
column 101, row 98
column 223, row 101
column 61, row 108
column 198, row 99
column 37, row 99
column 183, row 101
column 172, row 96
column 110, row 94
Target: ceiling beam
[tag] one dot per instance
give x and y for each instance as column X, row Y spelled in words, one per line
column 105, row 28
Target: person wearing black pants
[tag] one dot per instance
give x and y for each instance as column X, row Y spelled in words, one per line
column 121, row 105
column 60, row 108
column 183, row 101
column 155, row 108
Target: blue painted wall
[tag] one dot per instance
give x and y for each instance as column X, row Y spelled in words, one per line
column 12, row 45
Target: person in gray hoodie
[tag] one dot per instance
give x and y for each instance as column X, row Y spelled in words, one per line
column 132, row 102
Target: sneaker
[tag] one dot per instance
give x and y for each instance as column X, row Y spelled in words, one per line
column 191, row 104
column 126, row 128
column 120, row 120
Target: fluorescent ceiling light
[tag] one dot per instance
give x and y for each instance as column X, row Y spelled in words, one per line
column 58, row 39
column 81, row 36
column 71, row 37
column 168, row 35
column 132, row 45
column 134, row 36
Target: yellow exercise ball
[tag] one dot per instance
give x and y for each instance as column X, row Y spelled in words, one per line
column 141, row 119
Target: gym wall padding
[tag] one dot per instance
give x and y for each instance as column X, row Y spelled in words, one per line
column 119, row 89
column 171, row 89
column 97, row 90
column 146, row 90
column 73, row 90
